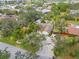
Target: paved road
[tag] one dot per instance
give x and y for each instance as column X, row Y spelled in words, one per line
column 46, row 51
column 11, row 49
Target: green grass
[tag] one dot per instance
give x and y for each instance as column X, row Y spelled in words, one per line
column 7, row 40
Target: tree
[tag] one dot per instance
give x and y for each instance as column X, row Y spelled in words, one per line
column 76, row 53
column 32, row 42
column 30, row 15
column 7, row 11
column 32, row 27
column 7, row 26
column 58, row 15
column 64, row 44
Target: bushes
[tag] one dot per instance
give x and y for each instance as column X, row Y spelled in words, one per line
column 30, row 15
column 76, row 53
column 70, row 41
column 4, row 54
column 7, row 26
column 32, row 41
column 59, row 50
column 74, row 6
column 32, row 27
column 64, row 45
column 7, row 11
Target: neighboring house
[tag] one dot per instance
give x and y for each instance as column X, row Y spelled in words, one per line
column 65, row 1
column 73, row 29
column 49, row 1
column 3, row 1
column 45, row 11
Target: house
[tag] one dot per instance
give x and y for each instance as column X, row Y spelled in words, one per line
column 45, row 11
column 9, row 1
column 73, row 29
